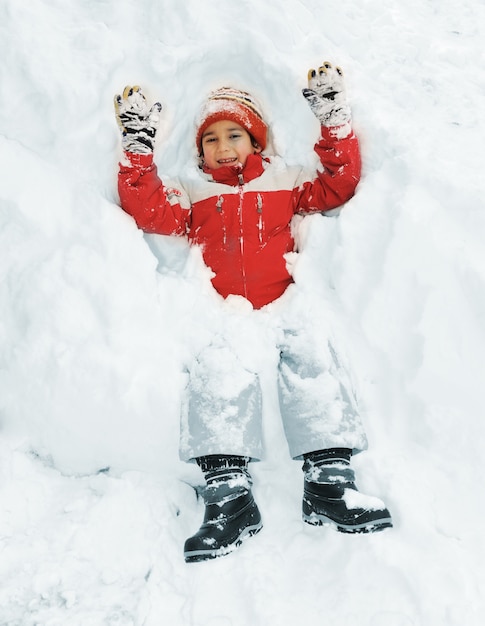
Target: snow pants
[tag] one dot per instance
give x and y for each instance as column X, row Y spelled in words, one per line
column 222, row 411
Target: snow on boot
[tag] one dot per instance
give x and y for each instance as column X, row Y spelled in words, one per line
column 330, row 496
column 231, row 514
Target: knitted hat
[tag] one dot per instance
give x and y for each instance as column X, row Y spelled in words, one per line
column 227, row 103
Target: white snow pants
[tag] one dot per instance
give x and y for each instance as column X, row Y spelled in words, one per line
column 222, row 410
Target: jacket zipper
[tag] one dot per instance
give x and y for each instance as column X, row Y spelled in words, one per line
column 219, row 202
column 241, row 234
column 259, row 210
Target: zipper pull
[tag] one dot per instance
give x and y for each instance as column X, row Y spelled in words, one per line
column 259, row 203
column 220, row 200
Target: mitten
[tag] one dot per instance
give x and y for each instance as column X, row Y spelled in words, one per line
column 326, row 95
column 137, row 122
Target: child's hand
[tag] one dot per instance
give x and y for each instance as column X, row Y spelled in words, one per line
column 138, row 124
column 326, row 95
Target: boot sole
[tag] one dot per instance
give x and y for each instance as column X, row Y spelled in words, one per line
column 315, row 519
column 206, row 555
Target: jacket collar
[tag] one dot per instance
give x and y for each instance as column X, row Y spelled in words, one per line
column 238, row 174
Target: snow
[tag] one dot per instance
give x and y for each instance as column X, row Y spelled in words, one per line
column 98, row 320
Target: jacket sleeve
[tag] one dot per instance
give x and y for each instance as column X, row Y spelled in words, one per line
column 337, row 178
column 155, row 207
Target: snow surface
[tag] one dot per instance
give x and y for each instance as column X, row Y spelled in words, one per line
column 97, row 320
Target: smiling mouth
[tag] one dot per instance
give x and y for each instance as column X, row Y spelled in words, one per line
column 226, row 161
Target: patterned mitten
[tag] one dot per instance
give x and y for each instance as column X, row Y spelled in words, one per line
column 137, row 122
column 326, row 95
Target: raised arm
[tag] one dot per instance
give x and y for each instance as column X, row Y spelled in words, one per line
column 155, row 208
column 338, row 148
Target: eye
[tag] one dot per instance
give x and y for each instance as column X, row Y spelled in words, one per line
column 235, row 135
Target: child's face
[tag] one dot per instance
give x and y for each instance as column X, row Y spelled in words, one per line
column 226, row 143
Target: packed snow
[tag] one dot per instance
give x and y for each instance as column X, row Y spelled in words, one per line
column 97, row 320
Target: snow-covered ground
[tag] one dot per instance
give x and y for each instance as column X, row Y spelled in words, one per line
column 97, row 320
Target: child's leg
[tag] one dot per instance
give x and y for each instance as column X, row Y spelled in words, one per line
column 222, row 412
column 231, row 515
column 317, row 403
column 323, row 426
column 221, row 430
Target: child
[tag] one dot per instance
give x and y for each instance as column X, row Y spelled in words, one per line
column 240, row 213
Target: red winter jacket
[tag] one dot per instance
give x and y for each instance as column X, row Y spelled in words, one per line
column 241, row 216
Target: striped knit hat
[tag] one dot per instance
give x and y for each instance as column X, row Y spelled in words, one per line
column 227, row 103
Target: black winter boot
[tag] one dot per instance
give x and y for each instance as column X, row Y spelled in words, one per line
column 231, row 514
column 331, row 497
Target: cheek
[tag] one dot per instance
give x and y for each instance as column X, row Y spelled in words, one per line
column 206, row 153
column 209, row 159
